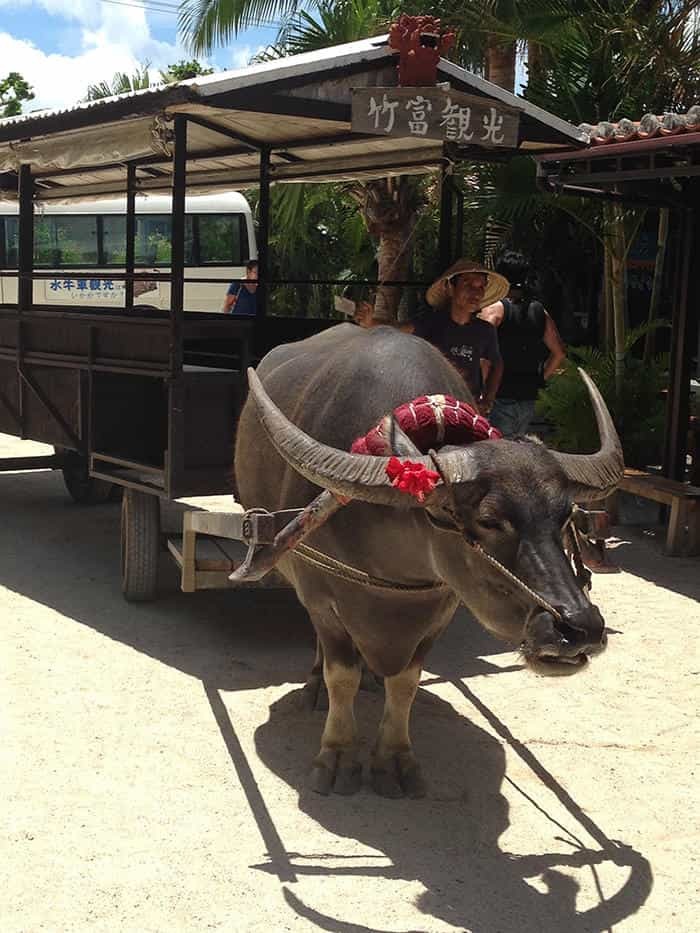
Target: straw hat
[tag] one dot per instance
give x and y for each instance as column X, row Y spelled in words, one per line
column 497, row 286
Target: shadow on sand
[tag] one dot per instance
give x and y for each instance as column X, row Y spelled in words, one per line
column 450, row 841
column 67, row 558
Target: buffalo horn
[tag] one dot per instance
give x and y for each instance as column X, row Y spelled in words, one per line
column 595, row 475
column 355, row 476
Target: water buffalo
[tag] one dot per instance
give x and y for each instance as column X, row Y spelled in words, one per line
column 309, row 402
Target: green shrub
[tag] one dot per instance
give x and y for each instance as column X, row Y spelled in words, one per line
column 638, row 413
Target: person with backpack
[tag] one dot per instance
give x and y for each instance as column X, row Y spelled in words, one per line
column 530, row 345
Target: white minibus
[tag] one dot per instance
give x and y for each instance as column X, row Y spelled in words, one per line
column 83, row 243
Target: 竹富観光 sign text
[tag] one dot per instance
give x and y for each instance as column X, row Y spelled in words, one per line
column 434, row 113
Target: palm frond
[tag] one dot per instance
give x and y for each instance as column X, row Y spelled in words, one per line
column 205, row 24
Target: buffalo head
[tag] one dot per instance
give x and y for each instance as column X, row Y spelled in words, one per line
column 506, row 500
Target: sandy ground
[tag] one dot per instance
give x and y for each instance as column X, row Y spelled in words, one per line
column 153, row 760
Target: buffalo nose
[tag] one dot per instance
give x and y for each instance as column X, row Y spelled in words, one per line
column 583, row 630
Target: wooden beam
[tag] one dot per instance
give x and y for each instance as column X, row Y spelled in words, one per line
column 303, row 107
column 682, row 349
column 25, row 258
column 235, row 135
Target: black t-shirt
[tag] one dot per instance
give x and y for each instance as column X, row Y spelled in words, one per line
column 521, row 338
column 464, row 345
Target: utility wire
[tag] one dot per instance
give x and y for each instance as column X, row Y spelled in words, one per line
column 166, row 9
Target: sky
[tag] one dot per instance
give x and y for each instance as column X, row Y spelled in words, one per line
column 62, row 46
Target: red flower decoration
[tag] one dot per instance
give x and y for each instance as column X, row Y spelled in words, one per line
column 412, row 478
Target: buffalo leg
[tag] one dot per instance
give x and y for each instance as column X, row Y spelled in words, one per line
column 313, row 693
column 336, row 766
column 395, row 770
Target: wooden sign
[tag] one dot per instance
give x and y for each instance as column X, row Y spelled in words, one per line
column 434, row 113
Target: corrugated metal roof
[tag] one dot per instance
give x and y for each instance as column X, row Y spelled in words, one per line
column 205, row 86
column 152, row 92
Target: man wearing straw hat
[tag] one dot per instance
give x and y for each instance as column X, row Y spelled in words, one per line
column 456, row 297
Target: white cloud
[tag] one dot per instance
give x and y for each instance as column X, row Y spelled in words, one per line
column 241, row 56
column 113, row 38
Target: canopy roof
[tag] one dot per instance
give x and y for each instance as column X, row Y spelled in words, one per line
column 299, row 107
column 655, row 159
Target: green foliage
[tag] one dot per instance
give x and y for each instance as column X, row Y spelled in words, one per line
column 208, row 23
column 316, row 232
column 638, row 413
column 14, row 90
column 331, row 22
column 184, row 70
column 620, row 59
column 122, row 83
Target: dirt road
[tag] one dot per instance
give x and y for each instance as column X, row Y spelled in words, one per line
column 153, row 760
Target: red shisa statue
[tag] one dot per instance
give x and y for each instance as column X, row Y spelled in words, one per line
column 420, row 42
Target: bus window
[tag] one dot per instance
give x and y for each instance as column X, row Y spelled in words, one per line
column 152, row 240
column 220, row 239
column 113, row 240
column 65, row 241
column 9, row 245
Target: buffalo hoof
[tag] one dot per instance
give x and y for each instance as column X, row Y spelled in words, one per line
column 398, row 776
column 339, row 772
column 314, row 695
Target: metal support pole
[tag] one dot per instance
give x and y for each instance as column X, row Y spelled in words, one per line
column 459, row 232
column 130, row 235
column 174, row 466
column 25, row 259
column 25, row 282
column 263, row 232
column 177, row 248
column 445, row 238
column 685, row 313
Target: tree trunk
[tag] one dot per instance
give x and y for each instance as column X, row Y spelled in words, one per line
column 500, row 63
column 389, row 211
column 535, row 60
column 393, row 261
column 618, row 297
column 618, row 253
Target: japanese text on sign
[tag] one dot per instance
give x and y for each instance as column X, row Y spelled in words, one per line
column 434, row 113
column 81, row 290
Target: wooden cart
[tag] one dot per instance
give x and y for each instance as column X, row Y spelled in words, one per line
column 148, row 400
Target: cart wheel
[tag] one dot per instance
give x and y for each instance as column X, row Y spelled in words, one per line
column 82, row 487
column 140, row 545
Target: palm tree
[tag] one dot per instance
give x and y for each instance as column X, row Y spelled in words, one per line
column 122, row 83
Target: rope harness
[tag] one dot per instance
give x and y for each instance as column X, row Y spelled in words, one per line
column 351, row 574
column 568, row 531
